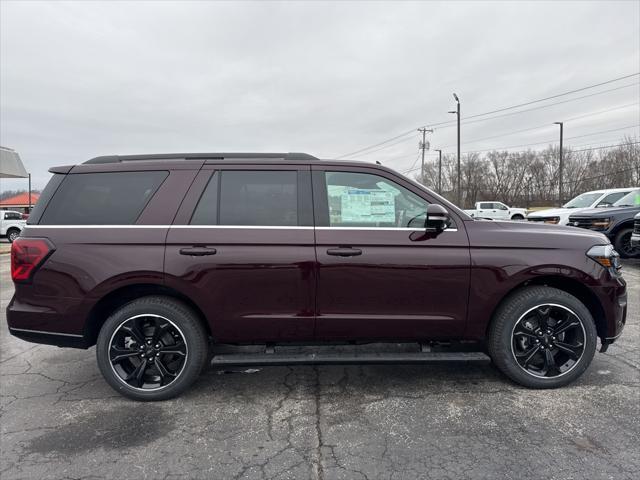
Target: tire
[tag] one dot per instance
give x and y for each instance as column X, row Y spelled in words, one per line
column 517, row 216
column 622, row 244
column 168, row 370
column 511, row 342
column 12, row 234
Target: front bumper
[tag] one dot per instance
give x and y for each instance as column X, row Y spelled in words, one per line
column 635, row 239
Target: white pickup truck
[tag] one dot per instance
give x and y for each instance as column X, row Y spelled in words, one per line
column 11, row 224
column 497, row 211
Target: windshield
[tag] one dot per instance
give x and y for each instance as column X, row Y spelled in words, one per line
column 583, row 201
column 631, row 199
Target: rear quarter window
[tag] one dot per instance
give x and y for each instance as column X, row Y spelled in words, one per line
column 115, row 198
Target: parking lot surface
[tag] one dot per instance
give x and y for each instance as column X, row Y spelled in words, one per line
column 59, row 419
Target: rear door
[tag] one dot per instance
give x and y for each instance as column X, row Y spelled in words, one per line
column 242, row 247
column 380, row 275
column 485, row 210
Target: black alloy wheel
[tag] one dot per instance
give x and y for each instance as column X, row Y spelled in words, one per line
column 147, row 352
column 548, row 341
column 152, row 348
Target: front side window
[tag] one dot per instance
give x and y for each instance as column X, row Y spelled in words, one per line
column 249, row 198
column 367, row 200
column 114, row 198
column 12, row 216
column 631, row 199
column 611, row 199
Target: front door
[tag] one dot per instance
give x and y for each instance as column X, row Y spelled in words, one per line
column 242, row 248
column 381, row 276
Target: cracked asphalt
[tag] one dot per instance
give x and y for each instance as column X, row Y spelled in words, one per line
column 60, row 420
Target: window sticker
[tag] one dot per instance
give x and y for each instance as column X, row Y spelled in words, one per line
column 359, row 205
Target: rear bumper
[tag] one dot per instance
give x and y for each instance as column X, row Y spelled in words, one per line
column 49, row 338
column 53, row 322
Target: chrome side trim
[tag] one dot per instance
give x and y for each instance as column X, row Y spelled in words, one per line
column 45, row 333
column 244, row 227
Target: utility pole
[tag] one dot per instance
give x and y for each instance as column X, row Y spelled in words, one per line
column 439, row 171
column 423, row 146
column 457, row 112
column 29, row 210
column 561, row 166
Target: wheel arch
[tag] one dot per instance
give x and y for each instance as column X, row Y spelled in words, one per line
column 622, row 226
column 123, row 295
column 566, row 284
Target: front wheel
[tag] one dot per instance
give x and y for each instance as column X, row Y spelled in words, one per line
column 623, row 245
column 517, row 216
column 542, row 337
column 152, row 348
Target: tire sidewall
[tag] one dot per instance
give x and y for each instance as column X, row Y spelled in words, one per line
column 10, row 235
column 509, row 314
column 190, row 327
column 619, row 241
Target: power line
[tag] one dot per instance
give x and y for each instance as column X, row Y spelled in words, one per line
column 547, row 125
column 553, row 96
column 377, row 144
column 552, row 141
column 509, row 108
column 568, row 151
column 543, row 106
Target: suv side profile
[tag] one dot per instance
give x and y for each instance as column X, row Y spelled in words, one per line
column 159, row 260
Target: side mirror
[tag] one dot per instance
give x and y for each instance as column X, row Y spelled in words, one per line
column 438, row 218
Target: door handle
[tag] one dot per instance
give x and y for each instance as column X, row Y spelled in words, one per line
column 198, row 251
column 344, row 252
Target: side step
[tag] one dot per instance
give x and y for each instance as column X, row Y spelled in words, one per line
column 340, row 355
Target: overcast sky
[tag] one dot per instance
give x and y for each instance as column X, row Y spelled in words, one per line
column 83, row 79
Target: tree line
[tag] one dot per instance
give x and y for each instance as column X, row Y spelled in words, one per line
column 530, row 178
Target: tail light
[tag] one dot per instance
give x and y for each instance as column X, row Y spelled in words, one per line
column 27, row 254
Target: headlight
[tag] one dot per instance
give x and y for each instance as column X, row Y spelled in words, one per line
column 600, row 223
column 606, row 256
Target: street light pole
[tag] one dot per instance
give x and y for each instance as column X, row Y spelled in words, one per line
column 561, row 166
column 457, row 112
column 439, row 171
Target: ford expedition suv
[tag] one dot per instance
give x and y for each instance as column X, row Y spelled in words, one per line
column 165, row 262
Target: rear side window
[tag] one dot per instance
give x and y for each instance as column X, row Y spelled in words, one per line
column 115, row 198
column 249, row 197
column 12, row 216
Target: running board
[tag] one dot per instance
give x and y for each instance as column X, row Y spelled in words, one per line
column 306, row 356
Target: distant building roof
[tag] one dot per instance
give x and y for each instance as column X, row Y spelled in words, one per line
column 20, row 200
column 10, row 164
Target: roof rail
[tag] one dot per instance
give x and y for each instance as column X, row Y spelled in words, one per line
column 200, row 156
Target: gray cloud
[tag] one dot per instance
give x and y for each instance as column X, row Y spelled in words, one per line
column 82, row 79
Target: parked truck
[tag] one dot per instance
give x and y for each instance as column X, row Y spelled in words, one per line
column 497, row 211
column 11, row 224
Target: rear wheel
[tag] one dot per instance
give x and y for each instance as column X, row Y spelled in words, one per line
column 542, row 337
column 623, row 245
column 12, row 234
column 152, row 348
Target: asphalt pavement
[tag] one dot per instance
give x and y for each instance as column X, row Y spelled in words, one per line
column 60, row 420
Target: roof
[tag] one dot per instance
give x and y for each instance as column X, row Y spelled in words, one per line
column 20, row 200
column 10, row 164
column 201, row 156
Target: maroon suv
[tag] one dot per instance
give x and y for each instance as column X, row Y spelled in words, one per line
column 158, row 259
